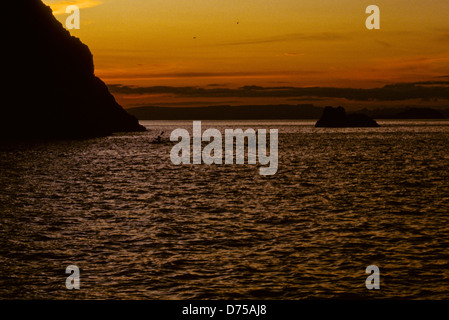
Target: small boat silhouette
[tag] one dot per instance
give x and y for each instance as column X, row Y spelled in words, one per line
column 158, row 139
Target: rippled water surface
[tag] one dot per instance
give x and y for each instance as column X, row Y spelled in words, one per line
column 140, row 227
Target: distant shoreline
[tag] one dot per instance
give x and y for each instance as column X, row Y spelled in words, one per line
column 275, row 112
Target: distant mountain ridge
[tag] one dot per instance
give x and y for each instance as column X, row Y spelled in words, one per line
column 225, row 112
column 271, row 112
column 413, row 113
column 50, row 86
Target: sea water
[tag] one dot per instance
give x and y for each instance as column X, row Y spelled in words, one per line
column 139, row 227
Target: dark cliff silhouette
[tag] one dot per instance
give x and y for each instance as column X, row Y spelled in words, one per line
column 337, row 118
column 50, row 89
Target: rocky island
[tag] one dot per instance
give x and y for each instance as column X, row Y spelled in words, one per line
column 50, row 89
column 337, row 118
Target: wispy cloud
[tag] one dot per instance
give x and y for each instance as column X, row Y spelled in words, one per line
column 324, row 36
column 444, row 36
column 293, row 54
column 385, row 44
column 59, row 7
column 194, row 103
column 208, row 75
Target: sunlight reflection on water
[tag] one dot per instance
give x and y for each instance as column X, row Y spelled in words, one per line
column 140, row 227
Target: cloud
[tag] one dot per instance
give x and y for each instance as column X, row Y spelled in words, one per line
column 293, row 54
column 221, row 75
column 393, row 92
column 59, row 7
column 384, row 44
column 209, row 74
column 324, row 36
column 442, row 34
column 307, row 99
column 187, row 103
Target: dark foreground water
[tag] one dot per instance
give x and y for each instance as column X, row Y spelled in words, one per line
column 139, row 227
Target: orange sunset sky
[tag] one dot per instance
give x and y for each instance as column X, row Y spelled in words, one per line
column 267, row 43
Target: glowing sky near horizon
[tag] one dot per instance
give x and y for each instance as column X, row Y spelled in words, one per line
column 263, row 42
